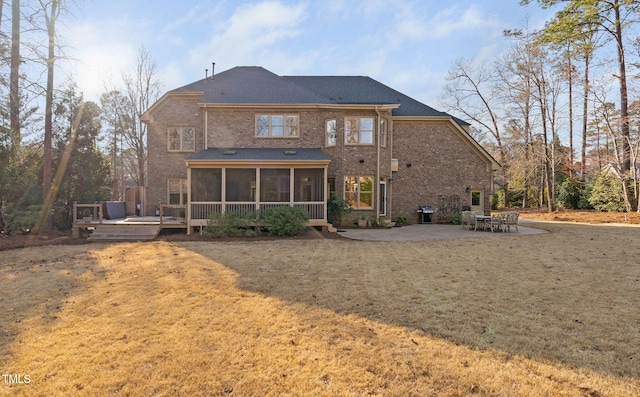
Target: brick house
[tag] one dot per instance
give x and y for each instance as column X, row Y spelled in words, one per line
column 248, row 139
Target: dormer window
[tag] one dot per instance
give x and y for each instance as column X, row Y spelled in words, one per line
column 277, row 126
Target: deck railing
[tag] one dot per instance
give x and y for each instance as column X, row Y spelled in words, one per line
column 173, row 213
column 87, row 213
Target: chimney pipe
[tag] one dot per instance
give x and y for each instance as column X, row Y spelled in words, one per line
column 213, row 65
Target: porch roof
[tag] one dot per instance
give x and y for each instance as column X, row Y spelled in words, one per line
column 261, row 154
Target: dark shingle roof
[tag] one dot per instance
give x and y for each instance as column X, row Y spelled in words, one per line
column 252, row 85
column 261, row 154
column 256, row 85
column 363, row 90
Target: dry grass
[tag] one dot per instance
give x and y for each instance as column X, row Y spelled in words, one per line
column 553, row 314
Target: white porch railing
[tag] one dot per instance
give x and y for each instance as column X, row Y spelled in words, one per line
column 203, row 210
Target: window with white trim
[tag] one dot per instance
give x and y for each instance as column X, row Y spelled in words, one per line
column 383, row 132
column 277, row 125
column 358, row 191
column 177, row 191
column 330, row 128
column 358, row 130
column 181, row 139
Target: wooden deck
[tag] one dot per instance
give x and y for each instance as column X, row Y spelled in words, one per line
column 127, row 227
column 90, row 217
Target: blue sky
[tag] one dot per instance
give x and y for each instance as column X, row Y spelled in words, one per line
column 406, row 44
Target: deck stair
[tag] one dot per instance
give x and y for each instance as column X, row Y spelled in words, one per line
column 105, row 232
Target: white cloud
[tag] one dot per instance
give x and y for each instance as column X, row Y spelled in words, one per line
column 452, row 20
column 253, row 34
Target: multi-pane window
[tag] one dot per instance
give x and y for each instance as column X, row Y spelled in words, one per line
column 277, row 125
column 358, row 130
column 358, row 191
column 177, row 191
column 330, row 127
column 181, row 139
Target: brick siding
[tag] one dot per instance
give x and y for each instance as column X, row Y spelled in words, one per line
column 442, row 163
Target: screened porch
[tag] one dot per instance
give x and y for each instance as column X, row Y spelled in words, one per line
column 241, row 186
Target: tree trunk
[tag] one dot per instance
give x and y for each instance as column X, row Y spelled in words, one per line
column 48, row 190
column 624, row 112
column 48, row 113
column 14, row 77
column 571, row 167
column 585, row 119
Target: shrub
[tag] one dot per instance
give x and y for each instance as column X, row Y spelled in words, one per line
column 17, row 220
column 230, row 225
column 337, row 208
column 456, row 219
column 606, row 193
column 570, row 193
column 285, row 221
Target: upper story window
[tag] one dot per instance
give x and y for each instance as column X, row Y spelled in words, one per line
column 358, row 130
column 383, row 132
column 277, row 125
column 330, row 128
column 181, row 139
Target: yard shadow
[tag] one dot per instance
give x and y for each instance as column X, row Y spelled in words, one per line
column 36, row 291
column 568, row 296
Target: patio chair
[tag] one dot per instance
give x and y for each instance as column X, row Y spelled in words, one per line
column 511, row 219
column 468, row 219
column 495, row 222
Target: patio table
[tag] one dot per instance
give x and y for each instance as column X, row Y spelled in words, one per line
column 482, row 219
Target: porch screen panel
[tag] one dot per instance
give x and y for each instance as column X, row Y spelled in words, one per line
column 206, row 184
column 274, row 185
column 308, row 184
column 241, row 184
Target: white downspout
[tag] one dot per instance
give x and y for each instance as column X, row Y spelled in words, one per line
column 377, row 183
column 206, row 129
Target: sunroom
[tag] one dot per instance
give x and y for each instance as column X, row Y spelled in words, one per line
column 244, row 180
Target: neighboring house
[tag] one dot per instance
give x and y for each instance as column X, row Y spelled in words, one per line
column 248, row 139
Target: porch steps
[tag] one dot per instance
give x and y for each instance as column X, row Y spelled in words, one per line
column 124, row 232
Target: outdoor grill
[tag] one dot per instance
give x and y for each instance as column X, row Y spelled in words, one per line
column 425, row 214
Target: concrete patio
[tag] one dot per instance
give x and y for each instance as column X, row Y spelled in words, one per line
column 433, row 232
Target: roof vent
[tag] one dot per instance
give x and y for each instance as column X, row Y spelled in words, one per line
column 290, row 152
column 229, row 152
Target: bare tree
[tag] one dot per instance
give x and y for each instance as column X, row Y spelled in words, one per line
column 123, row 108
column 14, row 77
column 471, row 91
